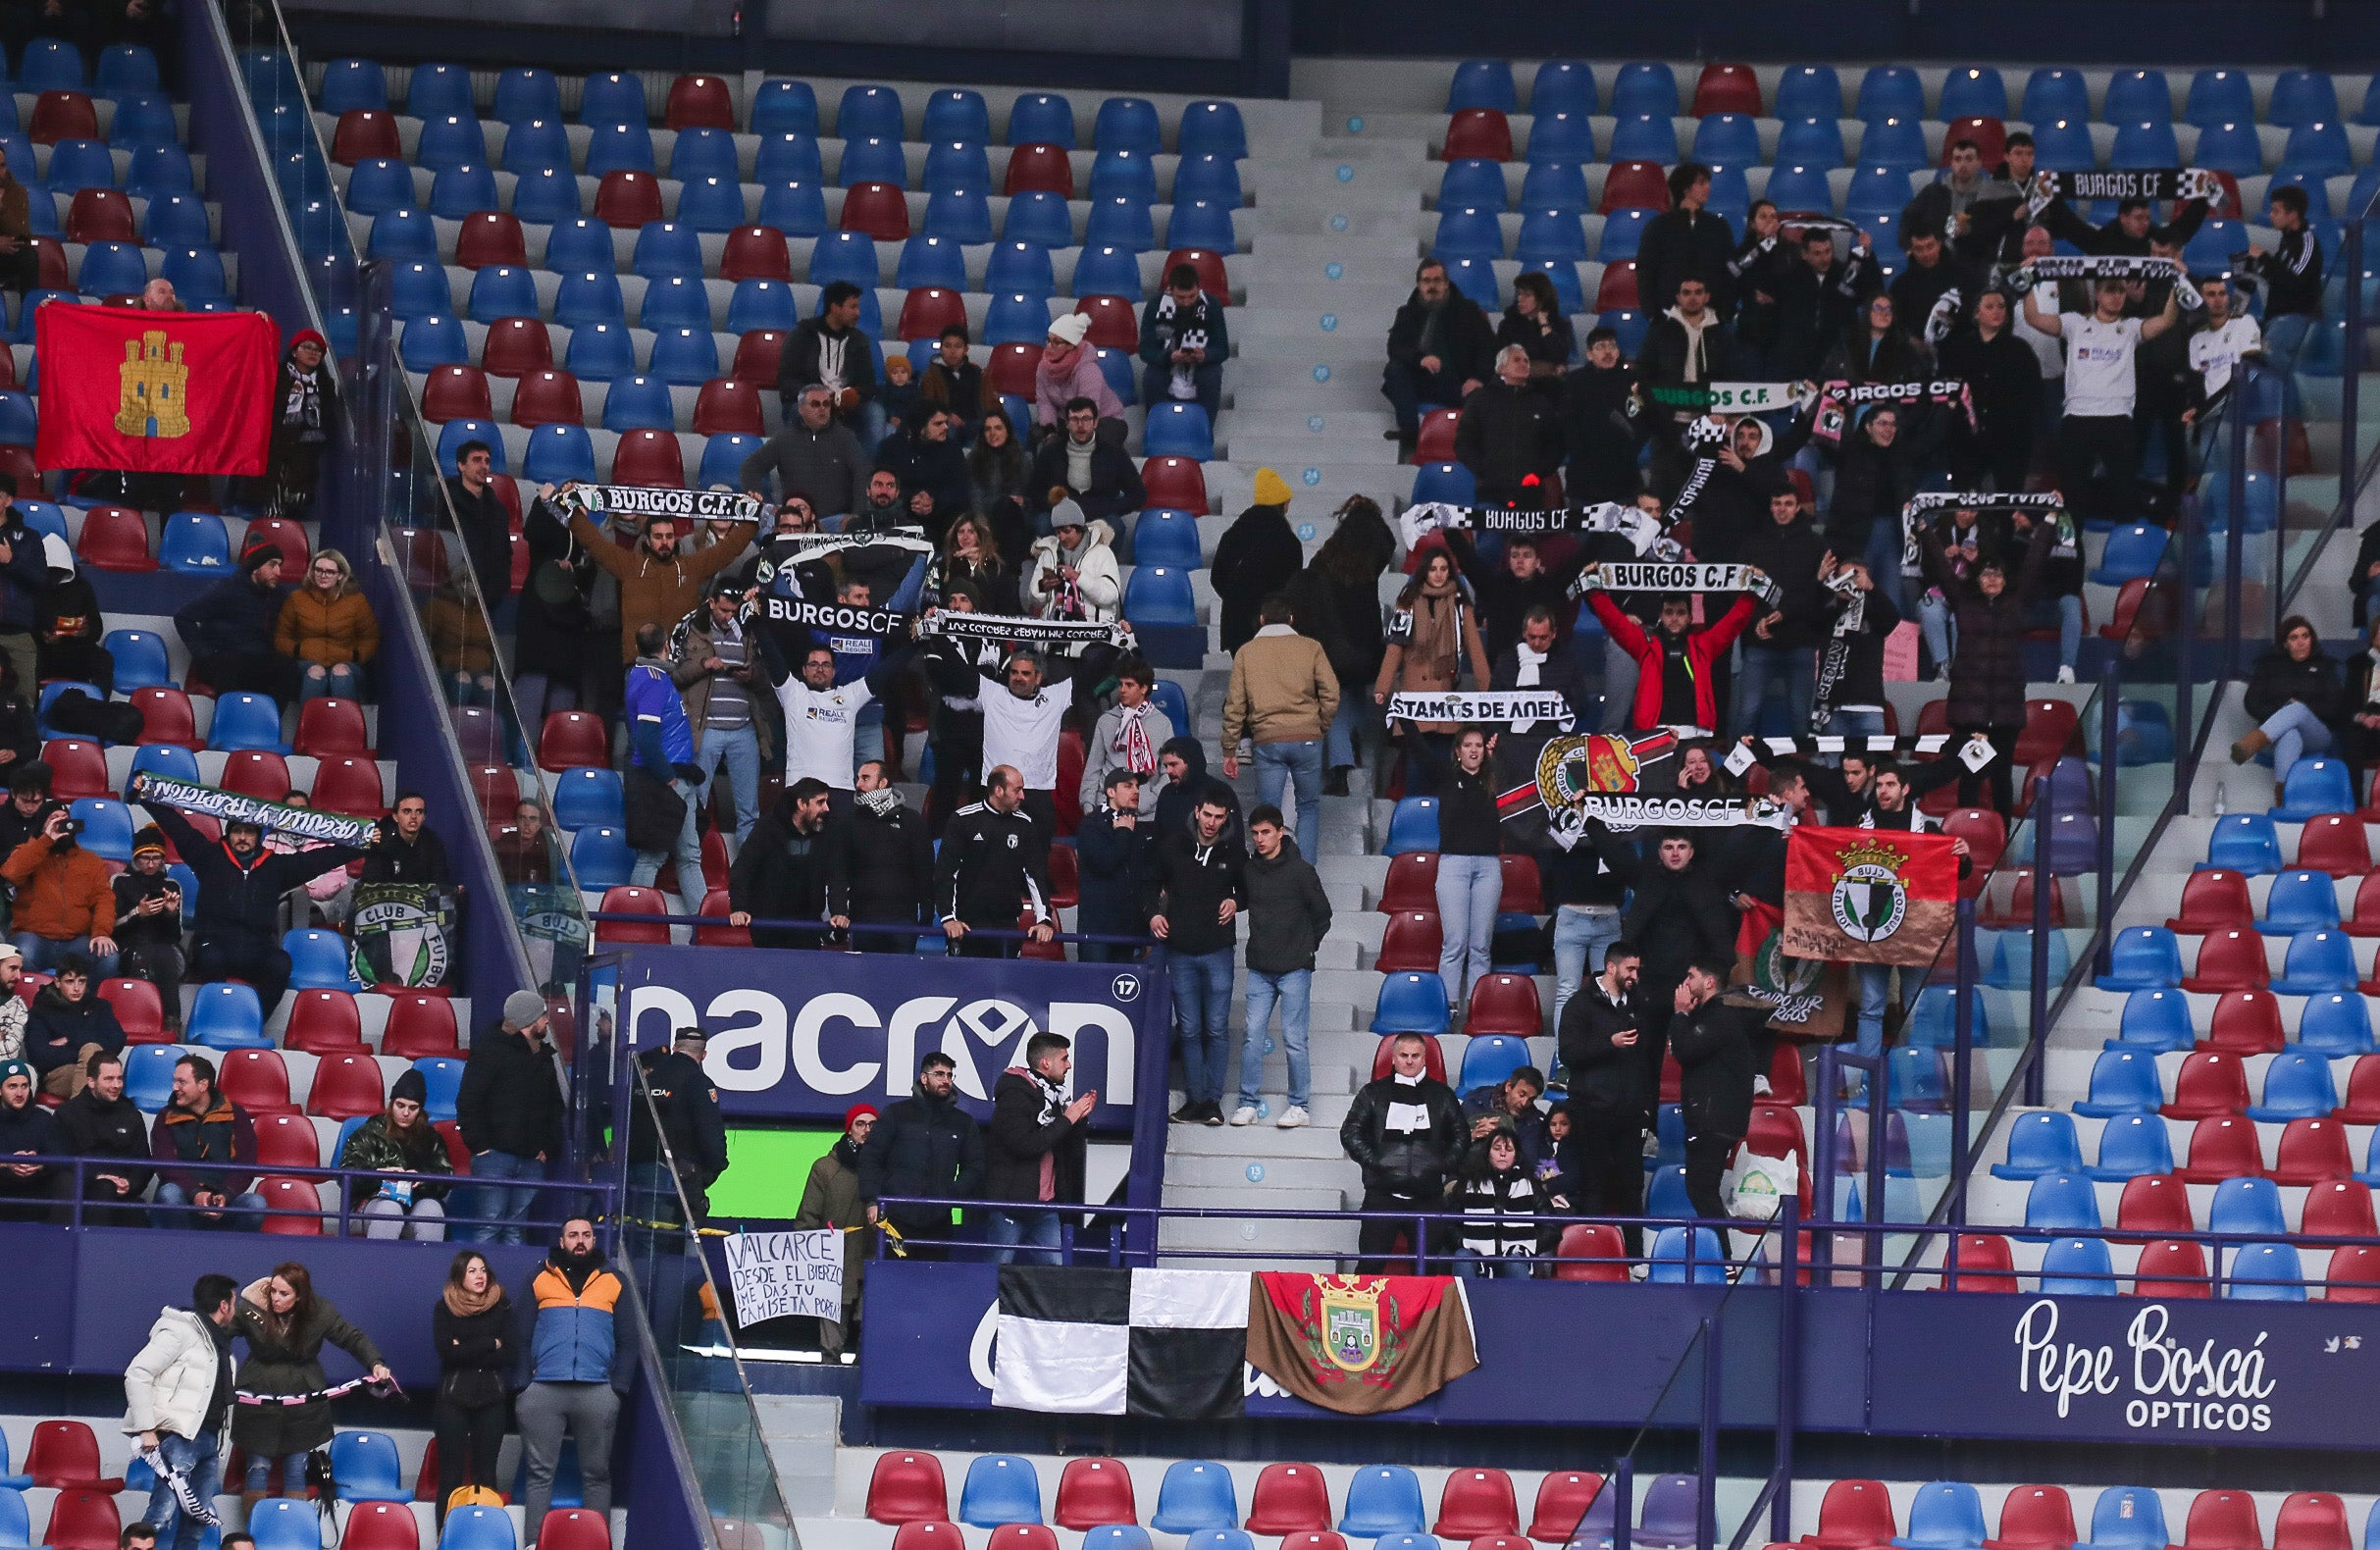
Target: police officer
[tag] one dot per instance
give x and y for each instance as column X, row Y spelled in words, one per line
column 688, row 1106
column 989, row 870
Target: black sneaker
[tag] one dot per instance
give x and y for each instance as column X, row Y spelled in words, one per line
column 1188, row 1114
column 1210, row 1113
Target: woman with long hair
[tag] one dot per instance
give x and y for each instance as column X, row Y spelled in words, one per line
column 399, row 1140
column 1536, row 322
column 999, row 470
column 1879, row 348
column 287, row 1325
column 2296, row 694
column 1497, row 1196
column 1336, row 600
column 1471, row 868
column 970, row 553
column 472, row 1326
column 328, row 626
column 1432, row 632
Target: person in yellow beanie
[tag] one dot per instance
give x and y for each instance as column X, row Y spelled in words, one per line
column 1258, row 555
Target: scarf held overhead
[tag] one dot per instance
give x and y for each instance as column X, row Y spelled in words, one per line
column 640, row 500
column 1838, row 399
column 999, row 626
column 838, row 616
column 231, row 806
column 1521, row 707
column 1674, row 577
column 2045, row 503
column 1648, row 535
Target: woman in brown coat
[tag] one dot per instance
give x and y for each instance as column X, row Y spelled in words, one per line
column 1432, row 633
column 330, row 628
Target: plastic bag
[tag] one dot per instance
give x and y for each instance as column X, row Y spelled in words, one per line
column 1757, row 1183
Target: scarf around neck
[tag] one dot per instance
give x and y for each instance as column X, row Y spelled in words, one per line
column 881, row 802
column 469, row 1305
column 1437, row 628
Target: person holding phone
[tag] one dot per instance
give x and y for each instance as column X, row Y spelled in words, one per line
column 63, row 902
column 1033, row 1151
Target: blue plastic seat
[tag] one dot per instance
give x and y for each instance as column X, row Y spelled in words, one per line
column 1476, row 278
column 2131, row 1145
column 2056, row 91
column 197, row 276
column 2303, row 96
column 1107, row 272
column 1040, row 217
column 1808, row 91
column 1973, row 92
column 227, row 1017
column 615, row 97
column 1212, row 179
column 77, row 164
column 846, row 256
column 1128, row 123
column 1159, row 595
column 545, row 197
column 2247, row 1206
column 19, row 424
column 244, row 720
column 637, row 403
column 434, row 89
column 2266, row 1273
column 2142, row 957
column 1894, row 142
column 1201, row 223
column 1934, row 1022
column 872, row 112
column 1479, row 185
column 723, row 458
column 1946, row 1515
column 2123, row 1082
column 2333, row 1023
column 587, row 794
column 2145, row 144
column 107, row 827
column 1644, row 137
column 1644, row 86
column 2040, row 1143
column 1546, row 185
column 1551, row 234
column 2318, row 962
column 665, row 248
column 444, row 1076
column 380, row 184
column 1490, row 1059
column 1450, row 482
column 1468, row 233
column 454, row 433
column 454, row 191
column 1042, row 118
column 761, row 304
column 1669, row 1257
column 952, row 114
column 676, row 302
column 1797, row 186
column 2127, row 1518
column 1877, row 190
column 175, row 219
column 2315, row 787
column 141, row 656
column 1384, row 1499
column 148, row 1080
column 1483, row 83
column 502, row 291
column 2063, row 145
column 1195, row 1495
column 278, row 1523
column 2296, row 1086
column 961, row 215
column 2155, row 1020
column 785, row 107
column 523, row 91
column 1001, row 1487
column 2013, row 960
column 1163, row 537
column 1124, row 221
column 1019, row 268
column 873, row 161
column 1565, row 138
column 1890, row 91
column 788, row 158
column 2132, row 551
column 1916, row 1079
column 796, row 207
column 710, row 204
column 703, row 153
column 928, row 260
column 1209, row 127
column 558, row 452
column 350, row 83
column 1563, row 276
column 957, row 164
column 580, row 244
column 2301, row 901
column 1733, row 138
column 2077, row 1267
column 367, row 1467
column 1812, row 143
column 477, row 1529
column 539, row 145
column 2220, row 96
column 194, row 544
column 318, row 961
column 587, row 298
column 1412, row 1001
column 2244, row 842
column 2228, row 146
column 1127, row 173
column 1017, row 318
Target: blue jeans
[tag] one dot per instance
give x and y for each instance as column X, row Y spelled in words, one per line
column 2284, row 336
column 343, row 680
column 1470, row 1263
column 1028, row 1237
column 1939, row 628
column 1202, row 1009
column 2068, row 611
column 43, row 956
column 1619, row 684
column 1298, row 765
column 689, row 853
column 1294, row 992
column 198, row 1460
column 735, row 750
column 292, row 1473
column 1470, row 888
column 1856, row 724
column 1767, row 669
column 1875, row 989
column 245, row 1214
column 504, row 1202
column 2295, row 732
column 1338, row 743
column 1579, row 940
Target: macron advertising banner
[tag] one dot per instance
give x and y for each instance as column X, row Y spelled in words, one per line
column 806, row 1035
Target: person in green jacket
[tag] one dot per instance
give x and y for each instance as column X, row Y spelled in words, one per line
column 401, row 1140
column 830, row 1198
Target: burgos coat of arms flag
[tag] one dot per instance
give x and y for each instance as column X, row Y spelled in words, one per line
column 1869, row 896
column 1359, row 1344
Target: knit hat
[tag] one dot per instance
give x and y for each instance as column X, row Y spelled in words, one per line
column 309, row 337
column 1072, row 329
column 853, row 1114
column 1067, row 514
column 409, row 1085
column 1271, row 490
column 9, row 1068
column 150, row 839
column 522, row 1008
column 257, row 556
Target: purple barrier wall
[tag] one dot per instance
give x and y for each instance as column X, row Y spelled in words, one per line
column 2070, row 1369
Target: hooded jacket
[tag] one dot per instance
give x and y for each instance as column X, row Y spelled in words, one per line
column 1105, row 750
column 573, row 1324
column 830, row 1198
column 1790, row 555
column 1097, row 585
column 63, row 892
column 58, row 1029
column 1406, row 1135
column 799, row 366
column 234, row 617
column 1599, row 435
column 330, row 632
column 1079, row 377
column 1813, row 310
column 1676, row 916
column 240, row 898
column 1024, row 1130
column 922, row 1145
column 169, row 1385
column 1872, row 483
column 879, row 866
column 92, row 1127
column 1663, row 358
column 1255, row 559
column 68, row 624
column 1191, row 879
column 1713, row 1045
column 1288, row 912
column 1176, row 799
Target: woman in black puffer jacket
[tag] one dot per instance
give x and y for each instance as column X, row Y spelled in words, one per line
column 472, row 1326
column 1987, row 668
column 2296, row 694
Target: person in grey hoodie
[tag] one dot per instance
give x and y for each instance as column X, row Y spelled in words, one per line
column 1289, row 915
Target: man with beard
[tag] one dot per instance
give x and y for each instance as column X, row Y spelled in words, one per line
column 879, row 867
column 578, row 1365
column 926, row 1146
column 1599, row 1044
column 101, row 1122
column 781, row 872
column 1440, row 348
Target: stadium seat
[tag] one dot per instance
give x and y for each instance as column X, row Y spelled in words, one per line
column 2228, row 959
column 2313, row 1151
column 1095, row 1492
column 318, row 961
column 1196, row 1496
column 1412, row 1001
column 246, row 721
column 2213, row 900
column 1413, row 877
column 1669, row 1257
column 1483, row 83
column 348, row 1086
column 1477, row 134
column 2335, row 842
column 2209, row 1082
column 2335, row 1023
column 1476, row 1502
column 1001, row 1488
column 1382, row 1499
column 1487, row 1061
column 2246, row 1022
column 2297, row 1085
column 756, row 252
column 2314, row 788
column 1175, row 482
column 2038, row 1143
column 2299, row 903
column 2142, row 957
column 2222, row 1147
column 2318, row 962
column 2070, row 1267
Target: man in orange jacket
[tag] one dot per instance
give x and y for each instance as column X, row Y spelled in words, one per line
column 64, row 901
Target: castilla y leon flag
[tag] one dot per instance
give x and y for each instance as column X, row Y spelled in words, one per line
column 155, row 393
column 1869, row 896
column 1359, row 1344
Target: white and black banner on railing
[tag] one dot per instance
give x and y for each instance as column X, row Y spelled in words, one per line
column 2105, row 266
column 643, row 501
column 231, row 806
column 2050, row 504
column 1034, row 632
column 2129, row 183
column 836, row 616
column 1520, row 706
column 1678, row 578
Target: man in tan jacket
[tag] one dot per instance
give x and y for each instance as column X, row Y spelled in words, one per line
column 658, row 585
column 1282, row 698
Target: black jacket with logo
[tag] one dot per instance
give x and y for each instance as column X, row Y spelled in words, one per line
column 990, row 868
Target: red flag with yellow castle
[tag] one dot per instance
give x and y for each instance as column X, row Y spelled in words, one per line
column 155, row 393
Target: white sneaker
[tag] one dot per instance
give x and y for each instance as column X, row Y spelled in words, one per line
column 1292, row 1117
column 1244, row 1115
column 2065, row 675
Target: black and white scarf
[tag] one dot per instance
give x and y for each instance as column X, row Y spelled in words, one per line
column 837, row 616
column 1834, row 663
column 2103, row 266
column 639, row 501
column 2047, row 502
column 1836, row 399
column 1673, row 576
column 231, row 806
column 1519, row 707
column 2121, row 182
column 1646, row 535
column 1039, row 632
column 1181, row 328
column 883, row 802
column 1733, row 397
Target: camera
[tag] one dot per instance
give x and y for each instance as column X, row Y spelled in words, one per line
column 74, row 827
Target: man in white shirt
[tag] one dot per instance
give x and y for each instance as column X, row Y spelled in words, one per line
column 2101, row 389
column 822, row 716
column 2217, row 345
column 1022, row 706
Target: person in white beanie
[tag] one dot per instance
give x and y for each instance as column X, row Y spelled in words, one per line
column 1069, row 370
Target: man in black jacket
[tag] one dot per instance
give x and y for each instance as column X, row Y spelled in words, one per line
column 688, row 1108
column 101, row 1122
column 1819, row 299
column 1781, row 651
column 830, row 350
column 1115, row 850
column 510, row 1107
column 480, row 516
column 1195, row 894
column 879, row 866
column 1288, row 915
column 1713, row 1041
column 932, row 469
column 780, row 873
column 1680, row 912
column 1538, row 658
column 1509, row 592
column 1033, row 1151
column 1404, row 1130
column 229, row 629
column 1440, row 348
column 1113, row 484
column 1510, row 432
column 1599, row 1043
column 991, row 870
column 924, row 1144
column 408, row 849
column 239, row 889
column 1599, row 424
column 1686, row 239
column 1688, row 346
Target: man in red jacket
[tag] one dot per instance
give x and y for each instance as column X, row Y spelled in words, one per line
column 1672, row 660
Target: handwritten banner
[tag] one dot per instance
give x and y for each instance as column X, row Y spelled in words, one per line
column 785, row 1276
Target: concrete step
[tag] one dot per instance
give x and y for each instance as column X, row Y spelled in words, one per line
column 1315, row 1142
column 1359, row 445
column 1329, row 1111
column 1329, row 245
column 1312, row 288
column 1226, row 1172
column 1322, row 216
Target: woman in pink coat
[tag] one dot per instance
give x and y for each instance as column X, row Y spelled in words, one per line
column 1070, row 369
